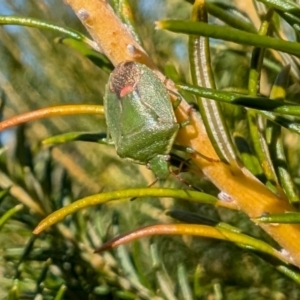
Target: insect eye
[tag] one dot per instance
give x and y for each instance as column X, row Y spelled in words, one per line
column 124, row 76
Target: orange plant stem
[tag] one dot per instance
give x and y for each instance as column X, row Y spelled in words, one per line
column 251, row 196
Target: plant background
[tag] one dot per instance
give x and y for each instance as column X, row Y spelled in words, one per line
column 36, row 72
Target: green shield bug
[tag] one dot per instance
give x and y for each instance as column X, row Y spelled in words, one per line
column 140, row 117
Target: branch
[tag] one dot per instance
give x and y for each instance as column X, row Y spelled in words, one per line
column 250, row 195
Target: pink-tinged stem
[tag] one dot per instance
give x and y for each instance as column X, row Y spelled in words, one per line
column 196, row 230
column 54, row 111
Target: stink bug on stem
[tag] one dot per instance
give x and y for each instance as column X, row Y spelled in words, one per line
column 140, row 117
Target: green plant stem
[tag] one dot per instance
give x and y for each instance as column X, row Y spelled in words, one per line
column 124, row 194
column 30, row 22
column 201, row 71
column 229, row 34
